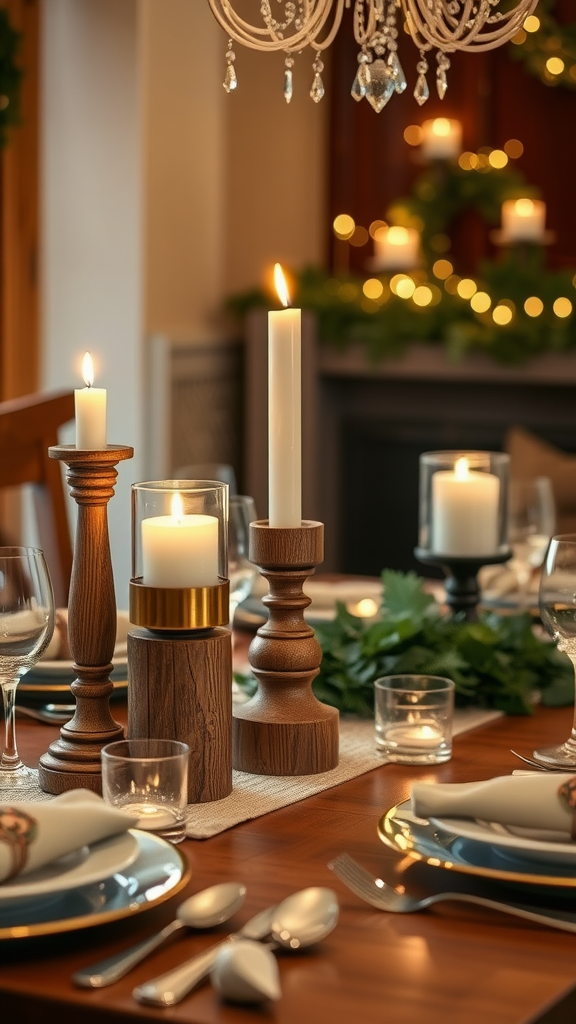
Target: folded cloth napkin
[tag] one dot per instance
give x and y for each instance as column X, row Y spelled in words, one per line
column 34, row 834
column 545, row 801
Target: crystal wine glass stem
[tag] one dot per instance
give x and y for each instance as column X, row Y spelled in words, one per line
column 571, row 742
column 10, row 758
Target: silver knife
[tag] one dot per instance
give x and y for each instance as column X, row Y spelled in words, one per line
column 169, row 988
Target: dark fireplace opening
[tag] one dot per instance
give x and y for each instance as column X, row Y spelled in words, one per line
column 379, row 460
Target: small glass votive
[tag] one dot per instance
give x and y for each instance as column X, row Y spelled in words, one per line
column 413, row 718
column 149, row 778
column 463, row 504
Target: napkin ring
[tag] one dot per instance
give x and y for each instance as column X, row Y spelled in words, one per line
column 567, row 794
column 18, row 830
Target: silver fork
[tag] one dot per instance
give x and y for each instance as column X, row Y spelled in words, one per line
column 384, row 897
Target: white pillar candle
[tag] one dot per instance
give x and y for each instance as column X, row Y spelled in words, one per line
column 464, row 511
column 180, row 550
column 90, row 410
column 396, row 248
column 441, row 139
column 284, row 412
column 523, row 220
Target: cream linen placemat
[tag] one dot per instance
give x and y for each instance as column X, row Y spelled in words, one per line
column 254, row 795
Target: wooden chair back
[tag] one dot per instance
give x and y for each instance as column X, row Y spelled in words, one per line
column 28, row 426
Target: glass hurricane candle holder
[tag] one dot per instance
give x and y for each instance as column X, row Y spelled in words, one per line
column 179, row 656
column 463, row 519
column 179, row 554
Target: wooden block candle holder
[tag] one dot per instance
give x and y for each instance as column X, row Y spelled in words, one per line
column 73, row 761
column 283, row 729
column 180, row 669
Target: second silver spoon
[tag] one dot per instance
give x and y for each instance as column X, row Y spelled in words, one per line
column 203, row 910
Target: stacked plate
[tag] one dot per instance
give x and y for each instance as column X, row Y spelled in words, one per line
column 484, row 849
column 111, row 879
column 50, row 679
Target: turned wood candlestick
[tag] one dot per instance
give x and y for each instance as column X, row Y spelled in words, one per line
column 283, row 729
column 74, row 760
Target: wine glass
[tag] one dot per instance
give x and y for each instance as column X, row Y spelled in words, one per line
column 557, row 599
column 26, row 627
column 531, row 523
column 241, row 572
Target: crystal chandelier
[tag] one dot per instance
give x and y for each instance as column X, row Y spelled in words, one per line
column 441, row 25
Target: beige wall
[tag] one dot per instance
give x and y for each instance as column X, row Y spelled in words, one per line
column 232, row 182
column 275, row 169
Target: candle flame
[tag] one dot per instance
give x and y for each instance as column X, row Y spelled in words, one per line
column 88, row 370
column 461, row 469
column 177, row 506
column 524, row 207
column 280, row 285
column 441, row 127
column 398, row 235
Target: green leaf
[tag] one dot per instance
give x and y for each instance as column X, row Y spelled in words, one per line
column 404, row 594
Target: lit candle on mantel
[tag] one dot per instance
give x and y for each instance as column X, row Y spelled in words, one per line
column 284, row 411
column 180, row 550
column 523, row 220
column 464, row 511
column 441, row 139
column 90, row 410
column 396, row 248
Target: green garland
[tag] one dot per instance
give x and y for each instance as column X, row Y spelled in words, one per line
column 387, row 325
column 552, row 39
column 10, row 77
column 497, row 662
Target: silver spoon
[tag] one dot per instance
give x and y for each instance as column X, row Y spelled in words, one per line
column 299, row 920
column 203, row 910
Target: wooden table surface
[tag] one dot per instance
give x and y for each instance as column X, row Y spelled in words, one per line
column 454, row 963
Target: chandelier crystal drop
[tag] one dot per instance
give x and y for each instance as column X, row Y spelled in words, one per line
column 442, row 25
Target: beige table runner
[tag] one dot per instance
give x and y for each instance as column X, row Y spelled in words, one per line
column 254, row 795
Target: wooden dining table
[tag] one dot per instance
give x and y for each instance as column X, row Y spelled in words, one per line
column 452, row 963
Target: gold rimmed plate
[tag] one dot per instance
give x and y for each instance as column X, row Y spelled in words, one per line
column 421, row 840
column 159, row 871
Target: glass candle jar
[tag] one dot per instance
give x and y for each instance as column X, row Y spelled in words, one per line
column 463, row 503
column 179, row 554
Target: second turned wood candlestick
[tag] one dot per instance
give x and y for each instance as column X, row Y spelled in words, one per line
column 283, row 729
column 73, row 761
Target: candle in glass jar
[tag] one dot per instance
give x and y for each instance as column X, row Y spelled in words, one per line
column 284, row 412
column 180, row 550
column 90, row 411
column 464, row 511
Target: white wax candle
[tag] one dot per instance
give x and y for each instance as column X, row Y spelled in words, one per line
column 523, row 220
column 441, row 139
column 414, row 737
column 284, row 413
column 396, row 248
column 180, row 550
column 90, row 410
column 464, row 511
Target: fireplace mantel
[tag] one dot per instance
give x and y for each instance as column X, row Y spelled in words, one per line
column 364, row 425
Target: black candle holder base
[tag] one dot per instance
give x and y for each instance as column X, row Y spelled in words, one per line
column 461, row 585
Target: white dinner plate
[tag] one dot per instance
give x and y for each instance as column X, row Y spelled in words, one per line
column 83, row 866
column 421, row 840
column 159, row 871
column 529, row 844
